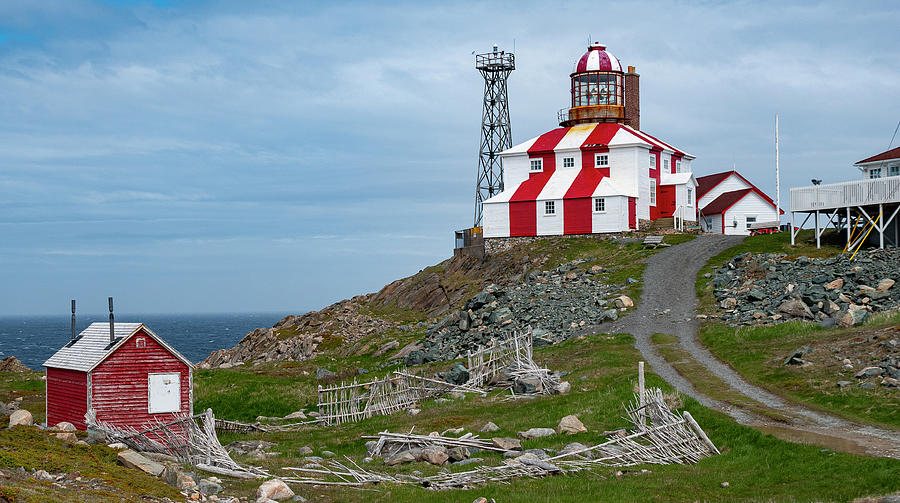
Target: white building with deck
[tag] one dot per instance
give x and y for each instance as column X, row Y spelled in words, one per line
column 865, row 209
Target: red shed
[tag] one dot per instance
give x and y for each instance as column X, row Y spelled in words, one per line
column 129, row 379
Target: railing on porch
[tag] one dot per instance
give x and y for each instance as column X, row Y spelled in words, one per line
column 839, row 195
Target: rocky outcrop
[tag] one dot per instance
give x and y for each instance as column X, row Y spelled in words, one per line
column 12, row 364
column 770, row 288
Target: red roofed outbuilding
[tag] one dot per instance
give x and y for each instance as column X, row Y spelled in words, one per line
column 730, row 204
column 131, row 379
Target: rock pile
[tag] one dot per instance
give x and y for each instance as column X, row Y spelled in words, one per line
column 768, row 288
column 12, row 364
column 556, row 304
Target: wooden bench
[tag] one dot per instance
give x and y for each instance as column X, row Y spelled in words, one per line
column 653, row 241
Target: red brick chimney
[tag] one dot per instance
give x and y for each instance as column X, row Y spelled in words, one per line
column 632, row 99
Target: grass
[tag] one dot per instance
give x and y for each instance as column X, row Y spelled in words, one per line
column 758, row 354
column 29, row 387
column 758, row 467
column 32, row 448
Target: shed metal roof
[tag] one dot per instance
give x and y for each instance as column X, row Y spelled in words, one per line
column 92, row 346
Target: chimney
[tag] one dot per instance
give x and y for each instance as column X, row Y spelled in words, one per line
column 112, row 323
column 632, row 99
column 73, row 320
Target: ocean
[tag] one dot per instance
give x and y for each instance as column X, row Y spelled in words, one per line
column 33, row 339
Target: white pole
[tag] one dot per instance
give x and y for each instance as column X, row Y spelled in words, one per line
column 777, row 178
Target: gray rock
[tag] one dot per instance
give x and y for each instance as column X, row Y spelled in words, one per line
column 323, row 373
column 207, row 486
column 489, row 427
column 509, row 444
column 537, row 433
column 469, row 461
column 415, row 357
column 867, row 385
column 458, row 454
column 868, row 372
column 458, row 374
column 528, row 385
column 843, row 384
column 20, row 417
column 404, row 457
column 434, row 455
column 306, row 450
column 131, row 459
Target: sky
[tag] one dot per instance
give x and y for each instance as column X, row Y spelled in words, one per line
column 242, row 156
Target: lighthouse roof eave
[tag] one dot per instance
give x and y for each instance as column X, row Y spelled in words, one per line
column 521, row 148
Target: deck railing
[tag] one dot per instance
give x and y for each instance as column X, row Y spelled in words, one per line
column 844, row 194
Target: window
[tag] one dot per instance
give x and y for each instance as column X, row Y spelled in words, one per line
column 164, row 393
column 140, row 342
column 678, row 166
column 665, row 165
column 875, row 173
column 537, row 165
column 652, row 161
column 750, row 220
column 894, row 171
column 599, row 205
column 568, row 162
column 690, row 197
column 597, row 88
column 602, row 160
column 549, row 208
column 652, row 192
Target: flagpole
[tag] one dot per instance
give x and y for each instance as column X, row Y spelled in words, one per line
column 777, row 178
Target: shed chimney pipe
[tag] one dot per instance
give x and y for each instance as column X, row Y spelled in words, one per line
column 112, row 323
column 73, row 320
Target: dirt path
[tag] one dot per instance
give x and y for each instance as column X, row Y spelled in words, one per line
column 668, row 306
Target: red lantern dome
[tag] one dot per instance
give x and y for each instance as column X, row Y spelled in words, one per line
column 597, row 60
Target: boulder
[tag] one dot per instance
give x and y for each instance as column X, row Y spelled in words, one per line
column 885, row 284
column 562, row 388
column 415, row 357
column 403, row 457
column 868, row 372
column 853, row 317
column 321, row 373
column 728, row 303
column 528, row 385
column 131, row 459
column 575, row 447
column 20, row 417
column 506, row 443
column 537, row 433
column 458, row 374
column 458, row 454
column 570, row 425
column 274, row 489
column 489, row 427
column 64, row 426
column 296, row 415
column 623, row 301
column 795, row 307
column 434, row 455
column 209, row 486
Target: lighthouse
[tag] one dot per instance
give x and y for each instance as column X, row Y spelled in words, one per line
column 597, row 172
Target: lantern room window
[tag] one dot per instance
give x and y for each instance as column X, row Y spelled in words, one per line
column 597, row 88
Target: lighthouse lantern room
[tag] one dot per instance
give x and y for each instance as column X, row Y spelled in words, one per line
column 597, row 172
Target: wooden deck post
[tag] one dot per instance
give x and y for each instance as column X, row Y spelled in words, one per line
column 818, row 242
column 792, row 229
column 881, row 227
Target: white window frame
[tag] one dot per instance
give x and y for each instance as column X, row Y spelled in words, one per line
column 665, row 165
column 653, row 192
column 150, row 404
column 652, row 162
column 549, row 208
column 601, row 202
column 894, row 170
column 537, row 165
column 690, row 196
column 875, row 173
column 601, row 160
column 749, row 220
column 678, row 166
column 568, row 162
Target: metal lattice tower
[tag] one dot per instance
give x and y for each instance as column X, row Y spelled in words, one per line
column 496, row 137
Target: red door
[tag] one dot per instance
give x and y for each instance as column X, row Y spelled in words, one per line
column 666, row 201
column 632, row 213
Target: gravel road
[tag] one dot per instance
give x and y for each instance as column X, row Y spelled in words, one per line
column 668, row 284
